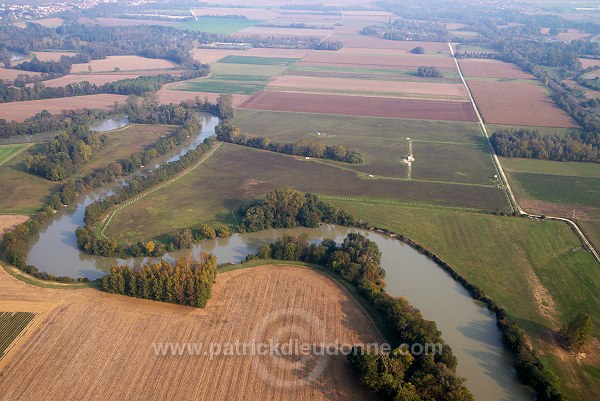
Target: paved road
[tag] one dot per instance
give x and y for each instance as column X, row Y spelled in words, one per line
column 511, row 195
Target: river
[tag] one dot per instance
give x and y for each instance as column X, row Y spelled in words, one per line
column 467, row 325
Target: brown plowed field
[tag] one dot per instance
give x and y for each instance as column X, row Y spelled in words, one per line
column 369, row 85
column 91, row 345
column 376, row 43
column 9, row 74
column 20, row 111
column 518, row 103
column 124, row 63
column 410, row 61
column 492, row 69
column 166, row 96
column 361, row 106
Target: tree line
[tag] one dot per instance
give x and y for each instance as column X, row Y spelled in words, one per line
column 400, row 375
column 66, row 153
column 527, row 143
column 429, row 72
column 404, row 29
column 227, row 132
column 182, row 282
column 128, row 86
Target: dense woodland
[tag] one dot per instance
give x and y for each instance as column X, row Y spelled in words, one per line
column 227, row 132
column 429, row 72
column 182, row 282
column 527, row 143
column 66, row 153
column 285, row 208
column 398, row 375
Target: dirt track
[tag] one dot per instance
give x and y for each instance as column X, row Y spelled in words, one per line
column 92, row 345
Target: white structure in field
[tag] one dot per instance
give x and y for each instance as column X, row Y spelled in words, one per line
column 409, row 159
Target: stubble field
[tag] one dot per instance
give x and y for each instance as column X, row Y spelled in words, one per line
column 492, row 69
column 99, row 342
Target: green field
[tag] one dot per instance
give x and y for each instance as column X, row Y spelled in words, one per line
column 254, row 60
column 11, row 326
column 501, row 255
column 542, row 130
column 591, row 170
column 217, row 25
column 234, row 174
column 256, row 70
column 377, row 73
column 445, row 151
column 221, row 86
column 583, row 191
column 7, row 152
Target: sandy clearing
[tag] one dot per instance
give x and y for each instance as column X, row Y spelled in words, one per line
column 20, row 111
column 102, row 344
column 166, row 96
column 361, row 106
column 273, row 31
column 518, row 103
column 124, row 63
column 369, row 85
column 492, row 69
column 9, row 74
column 8, row 221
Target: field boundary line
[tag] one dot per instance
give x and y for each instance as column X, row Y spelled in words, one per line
column 513, row 200
column 137, row 198
column 17, row 153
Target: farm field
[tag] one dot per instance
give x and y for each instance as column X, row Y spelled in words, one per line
column 352, row 86
column 166, row 95
column 86, row 318
column 275, row 31
column 569, row 190
column 124, row 63
column 445, row 151
column 12, row 324
column 7, row 152
column 247, row 173
column 20, row 111
column 515, row 261
column 52, row 55
column 365, row 106
column 492, row 69
column 570, row 35
column 45, row 22
column 574, row 169
column 359, row 41
column 558, row 131
column 588, row 62
column 532, row 107
column 255, row 13
column 407, row 61
column 216, row 25
column 123, row 22
column 9, row 74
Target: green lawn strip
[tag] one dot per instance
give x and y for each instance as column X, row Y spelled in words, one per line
column 542, row 130
column 583, row 191
column 255, row 60
column 539, row 166
column 9, row 152
column 26, row 278
column 404, row 95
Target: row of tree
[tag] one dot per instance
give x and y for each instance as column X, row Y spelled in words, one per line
column 404, row 29
column 227, row 132
column 429, row 72
column 182, row 282
column 286, row 207
column 400, row 375
column 527, row 143
column 66, row 153
column 128, row 86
